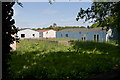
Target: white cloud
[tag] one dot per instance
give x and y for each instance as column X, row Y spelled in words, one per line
column 49, row 11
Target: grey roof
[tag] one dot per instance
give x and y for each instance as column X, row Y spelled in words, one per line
column 84, row 30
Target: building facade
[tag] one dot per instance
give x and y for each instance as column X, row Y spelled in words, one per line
column 96, row 34
column 47, row 33
column 27, row 33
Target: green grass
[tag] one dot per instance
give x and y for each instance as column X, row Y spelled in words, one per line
column 43, row 60
column 56, row 39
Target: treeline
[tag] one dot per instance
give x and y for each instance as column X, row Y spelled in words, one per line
column 58, row 28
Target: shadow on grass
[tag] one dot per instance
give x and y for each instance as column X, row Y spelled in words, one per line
column 60, row 65
column 94, row 47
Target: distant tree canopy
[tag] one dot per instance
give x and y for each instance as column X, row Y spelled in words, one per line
column 103, row 14
column 58, row 28
column 82, row 27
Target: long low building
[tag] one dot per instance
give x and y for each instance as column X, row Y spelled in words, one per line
column 26, row 33
column 96, row 34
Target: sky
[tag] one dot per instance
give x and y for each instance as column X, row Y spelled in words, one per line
column 43, row 14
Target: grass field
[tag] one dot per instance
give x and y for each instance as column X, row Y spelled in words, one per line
column 56, row 39
column 82, row 59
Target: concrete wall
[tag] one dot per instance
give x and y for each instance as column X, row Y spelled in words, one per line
column 49, row 34
column 28, row 33
column 78, row 35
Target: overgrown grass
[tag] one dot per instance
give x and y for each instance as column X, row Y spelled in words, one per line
column 43, row 60
column 56, row 39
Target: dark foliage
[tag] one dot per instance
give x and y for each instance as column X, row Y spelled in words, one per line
column 8, row 29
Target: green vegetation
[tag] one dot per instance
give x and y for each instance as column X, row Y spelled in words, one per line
column 82, row 59
column 55, row 39
column 58, row 28
column 94, row 25
column 109, row 22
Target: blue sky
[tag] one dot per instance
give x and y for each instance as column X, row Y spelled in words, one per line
column 43, row 14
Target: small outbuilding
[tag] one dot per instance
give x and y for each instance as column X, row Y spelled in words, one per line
column 27, row 33
column 96, row 34
column 49, row 33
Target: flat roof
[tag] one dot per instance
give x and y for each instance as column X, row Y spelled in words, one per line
column 99, row 29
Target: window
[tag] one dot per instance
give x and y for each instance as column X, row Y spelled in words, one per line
column 94, row 37
column 33, row 35
column 83, row 37
column 22, row 35
column 66, row 35
column 97, row 37
column 61, row 35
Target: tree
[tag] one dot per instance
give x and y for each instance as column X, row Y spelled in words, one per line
column 94, row 25
column 33, row 29
column 105, row 13
column 8, row 29
column 38, row 28
column 51, row 27
column 82, row 27
column 54, row 24
column 88, row 27
column 7, row 39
